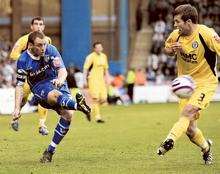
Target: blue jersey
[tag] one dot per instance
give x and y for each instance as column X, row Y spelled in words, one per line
column 37, row 71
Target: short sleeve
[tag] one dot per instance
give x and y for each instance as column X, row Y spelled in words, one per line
column 57, row 61
column 212, row 39
column 88, row 62
column 21, row 71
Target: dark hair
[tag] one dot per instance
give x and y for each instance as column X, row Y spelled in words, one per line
column 37, row 18
column 187, row 11
column 34, row 35
column 96, row 43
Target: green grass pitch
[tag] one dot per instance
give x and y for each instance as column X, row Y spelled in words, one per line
column 125, row 144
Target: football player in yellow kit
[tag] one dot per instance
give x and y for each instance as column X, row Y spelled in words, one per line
column 95, row 75
column 195, row 47
column 37, row 24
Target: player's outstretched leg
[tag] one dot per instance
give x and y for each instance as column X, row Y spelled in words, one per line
column 207, row 154
column 177, row 130
column 65, row 102
column 59, row 132
column 165, row 146
column 82, row 106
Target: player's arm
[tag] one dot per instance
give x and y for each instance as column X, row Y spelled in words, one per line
column 17, row 49
column 213, row 41
column 106, row 72
column 18, row 101
column 21, row 77
column 58, row 64
column 85, row 78
column 87, row 65
column 107, row 76
column 62, row 74
column 172, row 46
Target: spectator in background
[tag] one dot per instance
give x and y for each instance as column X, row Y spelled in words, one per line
column 74, row 80
column 8, row 72
column 138, row 15
column 130, row 80
column 71, row 79
column 79, row 78
column 140, row 77
column 118, row 81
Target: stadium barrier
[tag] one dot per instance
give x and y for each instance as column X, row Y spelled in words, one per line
column 7, row 101
column 159, row 94
column 142, row 94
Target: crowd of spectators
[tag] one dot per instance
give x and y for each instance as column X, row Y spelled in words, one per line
column 209, row 11
column 7, row 67
column 160, row 67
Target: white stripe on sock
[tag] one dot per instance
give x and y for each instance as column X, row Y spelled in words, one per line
column 53, row 144
column 59, row 133
column 62, row 126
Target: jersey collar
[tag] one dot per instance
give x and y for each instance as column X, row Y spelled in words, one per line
column 32, row 56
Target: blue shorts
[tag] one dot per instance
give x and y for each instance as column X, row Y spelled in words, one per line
column 42, row 90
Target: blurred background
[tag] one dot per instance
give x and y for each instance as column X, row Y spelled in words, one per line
column 132, row 32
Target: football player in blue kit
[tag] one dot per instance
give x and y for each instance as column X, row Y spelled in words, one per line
column 42, row 66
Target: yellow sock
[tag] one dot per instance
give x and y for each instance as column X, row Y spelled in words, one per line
column 178, row 128
column 42, row 112
column 199, row 139
column 96, row 111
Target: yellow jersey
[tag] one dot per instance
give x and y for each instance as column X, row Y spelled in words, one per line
column 21, row 45
column 97, row 64
column 200, row 54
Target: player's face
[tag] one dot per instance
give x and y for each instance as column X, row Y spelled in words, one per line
column 38, row 48
column 183, row 27
column 38, row 26
column 98, row 48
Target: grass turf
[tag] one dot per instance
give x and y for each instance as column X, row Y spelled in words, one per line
column 125, row 144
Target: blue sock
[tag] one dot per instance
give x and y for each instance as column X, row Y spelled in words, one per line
column 66, row 102
column 59, row 132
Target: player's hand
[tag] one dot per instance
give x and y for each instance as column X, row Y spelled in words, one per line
column 15, row 117
column 15, row 125
column 85, row 85
column 177, row 47
column 57, row 83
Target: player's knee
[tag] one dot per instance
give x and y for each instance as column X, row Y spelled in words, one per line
column 190, row 111
column 53, row 96
column 191, row 131
column 67, row 114
column 103, row 101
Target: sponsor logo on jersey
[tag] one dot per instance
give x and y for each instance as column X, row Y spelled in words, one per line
column 39, row 71
column 191, row 58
